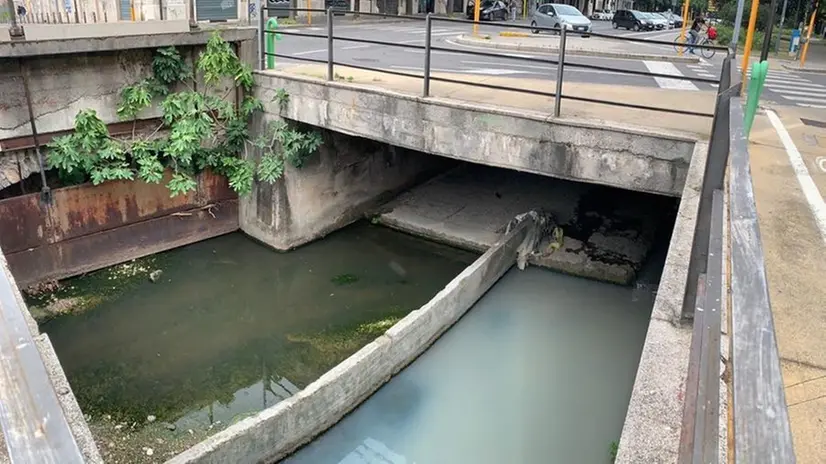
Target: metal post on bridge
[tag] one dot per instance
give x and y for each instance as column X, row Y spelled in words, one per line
column 560, row 69
column 428, row 28
column 330, row 44
column 262, row 52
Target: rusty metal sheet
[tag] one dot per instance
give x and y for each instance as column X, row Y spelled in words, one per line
column 87, row 209
column 212, row 188
column 22, row 223
column 109, row 247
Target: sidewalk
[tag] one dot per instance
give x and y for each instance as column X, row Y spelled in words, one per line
column 694, row 127
column 575, row 45
column 795, row 264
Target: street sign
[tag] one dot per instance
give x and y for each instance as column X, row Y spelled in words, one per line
column 794, row 43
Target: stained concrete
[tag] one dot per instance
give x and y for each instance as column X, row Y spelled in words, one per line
column 347, row 177
column 607, row 233
column 589, row 151
column 277, row 431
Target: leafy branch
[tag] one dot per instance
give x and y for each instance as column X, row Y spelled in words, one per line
column 198, row 130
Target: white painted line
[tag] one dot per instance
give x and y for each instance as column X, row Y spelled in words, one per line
column 806, row 99
column 810, row 191
column 445, row 34
column 309, row 52
column 435, row 31
column 548, row 68
column 485, row 71
column 661, row 67
column 813, row 87
column 354, row 47
column 811, row 106
column 810, row 93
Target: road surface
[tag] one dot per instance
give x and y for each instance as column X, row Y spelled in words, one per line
column 782, row 86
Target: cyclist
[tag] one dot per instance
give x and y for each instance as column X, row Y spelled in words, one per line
column 694, row 32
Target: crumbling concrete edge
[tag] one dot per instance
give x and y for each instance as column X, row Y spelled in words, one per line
column 71, row 409
column 651, row 432
column 278, row 431
column 464, row 40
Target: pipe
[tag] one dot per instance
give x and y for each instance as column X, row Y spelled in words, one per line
column 45, row 191
column 428, row 30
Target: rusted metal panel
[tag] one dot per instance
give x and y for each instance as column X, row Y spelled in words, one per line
column 109, row 247
column 24, row 142
column 88, row 209
column 212, row 188
column 22, row 223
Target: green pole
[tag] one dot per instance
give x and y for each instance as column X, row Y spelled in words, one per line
column 758, row 78
column 272, row 27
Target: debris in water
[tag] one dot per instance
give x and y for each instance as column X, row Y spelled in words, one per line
column 48, row 286
column 149, row 451
column 155, row 275
column 191, row 432
column 150, row 418
column 170, row 427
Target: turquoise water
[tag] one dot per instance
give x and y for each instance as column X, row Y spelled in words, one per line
column 540, row 370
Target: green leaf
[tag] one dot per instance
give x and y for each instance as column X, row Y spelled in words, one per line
column 270, row 168
column 181, row 184
column 241, row 176
column 250, row 105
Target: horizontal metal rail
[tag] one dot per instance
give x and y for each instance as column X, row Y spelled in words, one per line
column 494, row 25
column 630, row 72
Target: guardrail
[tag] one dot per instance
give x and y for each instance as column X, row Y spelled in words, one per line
column 428, row 77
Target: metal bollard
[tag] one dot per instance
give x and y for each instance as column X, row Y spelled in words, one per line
column 559, row 72
column 428, row 28
column 261, row 50
column 330, row 44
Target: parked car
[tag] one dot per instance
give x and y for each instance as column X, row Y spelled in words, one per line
column 631, row 19
column 489, row 10
column 674, row 20
column 658, row 21
column 557, row 15
column 602, row 15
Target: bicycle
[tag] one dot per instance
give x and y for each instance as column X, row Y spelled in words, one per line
column 681, row 46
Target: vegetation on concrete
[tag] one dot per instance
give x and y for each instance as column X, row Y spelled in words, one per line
column 613, row 449
column 199, row 129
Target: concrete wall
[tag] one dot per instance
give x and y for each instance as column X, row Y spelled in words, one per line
column 588, row 151
column 651, row 432
column 345, row 179
column 277, row 431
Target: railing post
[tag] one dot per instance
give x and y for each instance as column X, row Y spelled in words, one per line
column 330, row 44
column 428, row 28
column 560, row 69
column 262, row 55
column 15, row 30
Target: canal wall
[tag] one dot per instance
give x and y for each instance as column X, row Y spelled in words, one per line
column 89, row 227
column 588, row 151
column 277, row 431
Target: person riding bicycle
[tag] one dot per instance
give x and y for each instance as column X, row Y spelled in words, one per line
column 694, row 33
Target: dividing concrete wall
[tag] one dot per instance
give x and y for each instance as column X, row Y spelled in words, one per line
column 587, row 151
column 276, row 432
column 338, row 185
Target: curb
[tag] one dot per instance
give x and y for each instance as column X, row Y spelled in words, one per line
column 464, row 40
column 804, row 70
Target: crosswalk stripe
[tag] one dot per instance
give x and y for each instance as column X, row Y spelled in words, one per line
column 660, row 67
column 806, row 105
column 794, row 86
column 800, row 92
column 806, row 99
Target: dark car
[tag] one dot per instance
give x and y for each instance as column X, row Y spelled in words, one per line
column 488, row 10
column 632, row 19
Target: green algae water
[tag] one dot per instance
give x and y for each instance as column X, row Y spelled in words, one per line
column 228, row 328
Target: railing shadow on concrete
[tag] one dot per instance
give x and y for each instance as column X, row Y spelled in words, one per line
column 427, row 77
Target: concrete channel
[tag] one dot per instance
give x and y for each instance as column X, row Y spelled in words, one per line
column 491, row 189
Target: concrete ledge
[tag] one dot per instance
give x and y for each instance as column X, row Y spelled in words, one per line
column 651, row 432
column 118, row 42
column 572, row 50
column 99, row 30
column 810, row 69
column 278, row 431
column 576, row 149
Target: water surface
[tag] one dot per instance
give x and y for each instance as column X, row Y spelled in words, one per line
column 540, row 370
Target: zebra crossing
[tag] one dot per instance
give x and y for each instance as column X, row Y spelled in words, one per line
column 704, row 69
column 797, row 89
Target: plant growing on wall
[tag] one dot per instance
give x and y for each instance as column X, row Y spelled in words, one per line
column 199, row 129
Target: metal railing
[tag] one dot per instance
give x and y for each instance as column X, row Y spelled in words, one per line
column 427, row 76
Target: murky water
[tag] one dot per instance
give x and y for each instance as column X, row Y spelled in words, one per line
column 231, row 327
column 539, row 371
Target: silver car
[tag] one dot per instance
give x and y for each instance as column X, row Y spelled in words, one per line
column 557, row 16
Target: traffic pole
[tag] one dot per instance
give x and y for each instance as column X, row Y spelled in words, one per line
column 738, row 23
column 808, row 36
column 476, row 12
column 749, row 38
column 682, row 29
column 782, row 20
column 767, row 39
column 309, row 14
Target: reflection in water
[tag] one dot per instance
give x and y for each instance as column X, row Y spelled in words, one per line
column 539, row 371
column 233, row 327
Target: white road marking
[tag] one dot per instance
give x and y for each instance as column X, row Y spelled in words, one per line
column 812, row 106
column 797, row 86
column 810, row 191
column 354, row 47
column 805, row 99
column 309, row 52
column 486, row 71
column 661, row 67
column 810, row 93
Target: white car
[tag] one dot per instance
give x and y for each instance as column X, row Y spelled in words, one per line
column 602, row 15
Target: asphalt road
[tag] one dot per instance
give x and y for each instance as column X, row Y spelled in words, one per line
column 782, row 86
